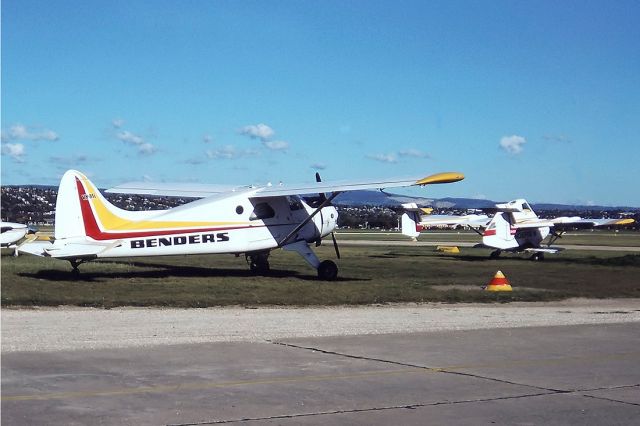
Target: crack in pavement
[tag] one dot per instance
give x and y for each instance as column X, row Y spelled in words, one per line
column 422, row 367
column 611, row 399
column 361, row 410
column 412, row 406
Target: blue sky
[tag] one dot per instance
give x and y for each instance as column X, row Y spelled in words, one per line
column 529, row 99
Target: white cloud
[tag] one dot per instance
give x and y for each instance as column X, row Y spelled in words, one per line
column 207, row 138
column 117, row 123
column 73, row 160
column 28, row 133
column 230, row 152
column 415, row 153
column 557, row 139
column 318, row 166
column 276, row 145
column 258, row 131
column 512, row 144
column 384, row 158
column 130, row 138
column 14, row 150
column 144, row 147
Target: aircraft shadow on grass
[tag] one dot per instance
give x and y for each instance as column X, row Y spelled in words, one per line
column 167, row 271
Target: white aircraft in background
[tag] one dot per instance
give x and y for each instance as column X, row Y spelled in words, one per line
column 12, row 233
column 514, row 227
column 249, row 220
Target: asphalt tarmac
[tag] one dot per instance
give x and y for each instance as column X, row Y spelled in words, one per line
column 579, row 374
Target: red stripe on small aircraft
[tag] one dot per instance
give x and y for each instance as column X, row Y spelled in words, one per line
column 491, row 232
column 93, row 230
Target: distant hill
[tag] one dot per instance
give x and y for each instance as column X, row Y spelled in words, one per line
column 384, row 199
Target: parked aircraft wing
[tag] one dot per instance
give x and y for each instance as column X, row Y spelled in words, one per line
column 473, row 220
column 575, row 222
column 204, row 190
column 592, row 223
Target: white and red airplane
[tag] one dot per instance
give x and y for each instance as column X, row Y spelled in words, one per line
column 514, row 227
column 249, row 220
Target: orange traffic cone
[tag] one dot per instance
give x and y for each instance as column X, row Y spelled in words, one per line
column 499, row 283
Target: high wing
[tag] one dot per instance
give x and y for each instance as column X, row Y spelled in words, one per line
column 203, row 190
column 473, row 220
column 564, row 223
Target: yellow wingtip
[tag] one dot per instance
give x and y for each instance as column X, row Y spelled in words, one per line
column 446, row 177
column 625, row 221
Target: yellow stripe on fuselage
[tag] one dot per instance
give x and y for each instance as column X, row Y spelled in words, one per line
column 111, row 222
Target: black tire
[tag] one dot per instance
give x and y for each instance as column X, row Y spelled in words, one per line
column 495, row 254
column 328, row 270
column 260, row 267
column 537, row 257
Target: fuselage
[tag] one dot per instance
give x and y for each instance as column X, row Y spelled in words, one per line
column 237, row 224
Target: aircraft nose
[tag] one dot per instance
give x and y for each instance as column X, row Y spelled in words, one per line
column 329, row 220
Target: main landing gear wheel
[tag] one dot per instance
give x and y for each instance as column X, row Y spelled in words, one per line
column 495, row 254
column 259, row 263
column 537, row 256
column 328, row 270
column 75, row 272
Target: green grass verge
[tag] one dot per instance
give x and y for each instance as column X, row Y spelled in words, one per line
column 368, row 275
column 583, row 237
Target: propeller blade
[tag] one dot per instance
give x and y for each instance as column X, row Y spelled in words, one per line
column 335, row 244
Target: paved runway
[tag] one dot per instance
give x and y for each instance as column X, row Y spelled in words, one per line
column 580, row 374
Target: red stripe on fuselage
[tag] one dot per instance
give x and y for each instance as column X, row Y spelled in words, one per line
column 93, row 230
column 492, row 232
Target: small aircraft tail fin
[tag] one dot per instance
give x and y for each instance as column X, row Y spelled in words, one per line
column 79, row 203
column 499, row 233
column 69, row 221
column 410, row 224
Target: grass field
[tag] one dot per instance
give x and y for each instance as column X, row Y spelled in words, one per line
column 368, row 275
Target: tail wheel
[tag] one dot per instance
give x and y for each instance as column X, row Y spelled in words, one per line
column 328, row 270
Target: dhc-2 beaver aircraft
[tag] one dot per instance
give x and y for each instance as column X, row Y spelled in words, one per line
column 249, row 220
column 514, row 227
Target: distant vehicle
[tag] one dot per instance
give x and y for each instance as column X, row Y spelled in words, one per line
column 12, row 233
column 514, row 227
column 249, row 220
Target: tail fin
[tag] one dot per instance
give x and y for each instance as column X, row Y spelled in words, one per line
column 80, row 208
column 410, row 226
column 69, row 221
column 499, row 233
